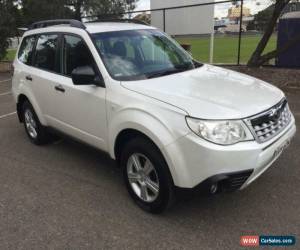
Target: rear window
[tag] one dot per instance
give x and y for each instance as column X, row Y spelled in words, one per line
column 26, row 50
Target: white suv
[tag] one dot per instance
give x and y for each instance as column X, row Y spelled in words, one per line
column 133, row 92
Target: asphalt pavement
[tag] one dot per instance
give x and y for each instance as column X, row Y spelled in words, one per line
column 69, row 196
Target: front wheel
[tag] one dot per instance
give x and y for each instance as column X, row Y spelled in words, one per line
column 147, row 176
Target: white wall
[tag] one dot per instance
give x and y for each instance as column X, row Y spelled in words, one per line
column 186, row 21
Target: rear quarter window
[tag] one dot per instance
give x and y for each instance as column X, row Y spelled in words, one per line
column 26, row 50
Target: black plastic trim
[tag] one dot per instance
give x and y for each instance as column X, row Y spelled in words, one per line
column 227, row 182
column 116, row 20
column 47, row 23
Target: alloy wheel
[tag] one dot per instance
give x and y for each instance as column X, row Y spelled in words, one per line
column 143, row 177
column 30, row 124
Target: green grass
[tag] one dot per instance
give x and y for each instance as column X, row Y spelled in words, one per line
column 226, row 47
column 10, row 56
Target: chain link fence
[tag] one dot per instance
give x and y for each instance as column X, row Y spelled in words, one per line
column 217, row 32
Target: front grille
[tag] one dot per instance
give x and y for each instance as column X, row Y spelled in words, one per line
column 270, row 123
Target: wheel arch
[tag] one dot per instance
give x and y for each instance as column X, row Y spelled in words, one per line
column 128, row 134
column 124, row 136
column 20, row 101
column 126, row 125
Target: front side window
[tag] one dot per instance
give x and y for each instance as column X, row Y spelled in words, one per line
column 76, row 54
column 47, row 53
column 141, row 54
column 26, row 50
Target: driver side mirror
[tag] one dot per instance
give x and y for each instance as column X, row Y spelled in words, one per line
column 86, row 75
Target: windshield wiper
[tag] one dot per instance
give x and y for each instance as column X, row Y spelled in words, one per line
column 197, row 64
column 165, row 73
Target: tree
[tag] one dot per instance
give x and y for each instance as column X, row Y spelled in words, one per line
column 261, row 19
column 100, row 7
column 144, row 17
column 257, row 59
column 37, row 10
column 7, row 24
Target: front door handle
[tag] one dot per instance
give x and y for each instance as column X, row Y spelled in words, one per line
column 28, row 78
column 60, row 88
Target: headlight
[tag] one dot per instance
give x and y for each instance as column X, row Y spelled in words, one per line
column 220, row 132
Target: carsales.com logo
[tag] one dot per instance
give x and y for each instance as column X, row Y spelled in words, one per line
column 254, row 241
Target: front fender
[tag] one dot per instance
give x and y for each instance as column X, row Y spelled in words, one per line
column 141, row 121
column 151, row 126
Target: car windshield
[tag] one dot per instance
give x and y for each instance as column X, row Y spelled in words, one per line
column 141, row 54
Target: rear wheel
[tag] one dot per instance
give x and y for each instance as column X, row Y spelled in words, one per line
column 147, row 176
column 36, row 132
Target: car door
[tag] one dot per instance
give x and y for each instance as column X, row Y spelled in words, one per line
column 23, row 64
column 78, row 110
column 45, row 71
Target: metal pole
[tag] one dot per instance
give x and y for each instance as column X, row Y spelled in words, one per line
column 212, row 40
column 240, row 33
column 164, row 17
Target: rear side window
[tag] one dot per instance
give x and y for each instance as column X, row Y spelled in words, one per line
column 26, row 50
column 47, row 53
column 75, row 54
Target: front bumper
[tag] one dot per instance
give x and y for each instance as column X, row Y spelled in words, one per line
column 193, row 160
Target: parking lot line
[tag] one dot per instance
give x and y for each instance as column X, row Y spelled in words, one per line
column 5, row 93
column 7, row 115
column 7, row 80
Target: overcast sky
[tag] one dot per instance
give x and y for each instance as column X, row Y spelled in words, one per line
column 220, row 9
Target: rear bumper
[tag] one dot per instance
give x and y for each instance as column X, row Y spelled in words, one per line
column 195, row 161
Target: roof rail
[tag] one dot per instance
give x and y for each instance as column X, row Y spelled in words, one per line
column 116, row 20
column 47, row 23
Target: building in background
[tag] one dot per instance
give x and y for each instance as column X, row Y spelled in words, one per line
column 231, row 23
column 186, row 21
column 234, row 13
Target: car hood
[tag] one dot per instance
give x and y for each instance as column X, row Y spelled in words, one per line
column 211, row 92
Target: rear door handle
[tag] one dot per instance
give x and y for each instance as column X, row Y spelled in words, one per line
column 28, row 78
column 60, row 88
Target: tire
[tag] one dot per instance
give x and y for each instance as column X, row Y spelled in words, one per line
column 142, row 184
column 36, row 132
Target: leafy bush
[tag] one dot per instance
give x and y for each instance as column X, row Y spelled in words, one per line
column 7, row 25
